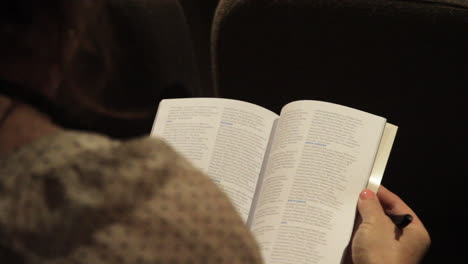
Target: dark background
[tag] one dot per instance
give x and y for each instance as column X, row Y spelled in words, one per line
column 406, row 60
column 403, row 60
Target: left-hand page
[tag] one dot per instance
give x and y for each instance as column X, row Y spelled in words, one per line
column 227, row 139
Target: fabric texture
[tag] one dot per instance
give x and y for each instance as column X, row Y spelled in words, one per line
column 158, row 30
column 460, row 3
column 405, row 60
column 199, row 16
column 83, row 198
column 339, row 50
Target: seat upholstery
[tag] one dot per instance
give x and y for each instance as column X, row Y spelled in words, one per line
column 199, row 16
column 406, row 60
column 159, row 30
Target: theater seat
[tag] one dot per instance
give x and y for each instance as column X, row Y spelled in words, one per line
column 402, row 59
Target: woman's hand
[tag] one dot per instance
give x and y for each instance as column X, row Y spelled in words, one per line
column 378, row 240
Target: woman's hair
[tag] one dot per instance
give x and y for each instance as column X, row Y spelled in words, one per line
column 103, row 74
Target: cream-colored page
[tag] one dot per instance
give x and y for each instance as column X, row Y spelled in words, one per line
column 320, row 160
column 225, row 138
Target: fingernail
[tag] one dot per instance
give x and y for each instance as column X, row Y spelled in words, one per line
column 367, row 194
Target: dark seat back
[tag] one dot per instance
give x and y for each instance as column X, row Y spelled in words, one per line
column 404, row 60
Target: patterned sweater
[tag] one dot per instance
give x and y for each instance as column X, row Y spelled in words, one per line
column 83, row 198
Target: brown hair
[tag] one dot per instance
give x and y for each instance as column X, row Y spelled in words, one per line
column 97, row 77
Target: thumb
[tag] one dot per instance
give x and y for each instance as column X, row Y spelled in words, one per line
column 369, row 206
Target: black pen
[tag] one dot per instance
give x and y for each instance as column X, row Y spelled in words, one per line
column 401, row 221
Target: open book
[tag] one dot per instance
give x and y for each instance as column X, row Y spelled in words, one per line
column 294, row 178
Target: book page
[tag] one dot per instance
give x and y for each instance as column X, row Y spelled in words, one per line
column 225, row 138
column 320, row 160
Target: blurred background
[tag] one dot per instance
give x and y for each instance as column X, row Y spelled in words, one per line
column 406, row 60
column 403, row 60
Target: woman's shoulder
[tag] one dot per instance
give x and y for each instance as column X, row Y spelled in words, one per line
column 90, row 168
column 73, row 148
column 85, row 196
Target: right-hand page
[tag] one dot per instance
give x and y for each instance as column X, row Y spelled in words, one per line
column 320, row 160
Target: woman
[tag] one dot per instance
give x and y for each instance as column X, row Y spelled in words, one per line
column 75, row 197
